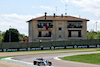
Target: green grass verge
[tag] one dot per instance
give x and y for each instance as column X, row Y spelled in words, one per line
column 87, row 58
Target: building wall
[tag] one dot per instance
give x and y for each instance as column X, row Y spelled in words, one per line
column 66, row 30
column 63, row 32
column 30, row 25
column 33, row 31
column 84, row 30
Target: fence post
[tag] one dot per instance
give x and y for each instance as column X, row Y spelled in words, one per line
column 50, row 47
column 80, row 42
column 64, row 44
column 99, row 41
column 41, row 47
column 54, row 47
column 50, row 44
column 28, row 47
column 18, row 49
column 87, row 46
column 1, row 47
column 88, row 43
column 64, row 47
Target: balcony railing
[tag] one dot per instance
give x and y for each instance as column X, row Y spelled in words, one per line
column 74, row 26
column 41, row 26
column 74, row 37
column 45, row 37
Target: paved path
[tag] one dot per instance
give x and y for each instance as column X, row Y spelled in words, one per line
column 2, row 54
column 57, row 63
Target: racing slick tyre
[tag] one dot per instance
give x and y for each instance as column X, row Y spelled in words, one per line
column 49, row 63
column 34, row 62
column 38, row 64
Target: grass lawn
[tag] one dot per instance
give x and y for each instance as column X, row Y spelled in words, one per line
column 87, row 58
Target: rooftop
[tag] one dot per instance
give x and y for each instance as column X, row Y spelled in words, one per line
column 66, row 18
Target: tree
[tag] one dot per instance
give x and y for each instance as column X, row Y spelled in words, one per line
column 11, row 34
column 91, row 35
column 21, row 36
column 98, row 35
column 0, row 32
column 1, row 36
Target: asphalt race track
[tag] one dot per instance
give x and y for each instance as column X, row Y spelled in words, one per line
column 56, row 62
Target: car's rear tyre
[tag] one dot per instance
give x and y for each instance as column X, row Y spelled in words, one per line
column 38, row 64
column 49, row 63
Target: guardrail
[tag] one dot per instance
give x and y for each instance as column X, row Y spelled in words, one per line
column 16, row 45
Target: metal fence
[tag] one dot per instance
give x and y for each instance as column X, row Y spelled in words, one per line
column 49, row 44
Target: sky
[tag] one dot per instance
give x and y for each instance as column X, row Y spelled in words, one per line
column 16, row 13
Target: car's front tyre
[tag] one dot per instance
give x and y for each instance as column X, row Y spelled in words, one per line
column 34, row 62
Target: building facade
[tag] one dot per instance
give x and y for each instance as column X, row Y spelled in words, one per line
column 57, row 28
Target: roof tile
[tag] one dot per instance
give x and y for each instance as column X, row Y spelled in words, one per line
column 67, row 18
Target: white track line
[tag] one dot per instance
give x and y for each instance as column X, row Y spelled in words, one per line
column 9, row 58
column 57, row 58
column 23, row 62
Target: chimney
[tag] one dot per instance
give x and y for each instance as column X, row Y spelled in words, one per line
column 61, row 15
column 45, row 15
column 54, row 15
column 65, row 14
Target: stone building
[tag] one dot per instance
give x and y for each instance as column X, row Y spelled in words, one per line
column 57, row 28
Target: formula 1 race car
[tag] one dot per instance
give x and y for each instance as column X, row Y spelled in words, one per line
column 41, row 61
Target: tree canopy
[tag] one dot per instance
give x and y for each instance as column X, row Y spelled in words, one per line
column 1, row 36
column 93, row 35
column 11, row 35
column 4, row 36
column 21, row 36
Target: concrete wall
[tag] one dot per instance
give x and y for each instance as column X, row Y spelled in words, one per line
column 84, row 30
column 63, row 32
column 30, row 32
column 33, row 31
